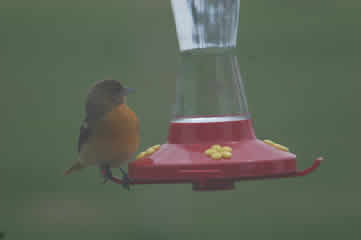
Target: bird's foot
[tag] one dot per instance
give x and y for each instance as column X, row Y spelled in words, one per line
column 107, row 174
column 126, row 180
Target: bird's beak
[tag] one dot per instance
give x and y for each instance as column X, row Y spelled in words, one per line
column 129, row 91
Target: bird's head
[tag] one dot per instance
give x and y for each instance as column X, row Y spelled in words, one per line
column 106, row 94
column 108, row 91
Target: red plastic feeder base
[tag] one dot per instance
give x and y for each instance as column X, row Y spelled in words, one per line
column 183, row 158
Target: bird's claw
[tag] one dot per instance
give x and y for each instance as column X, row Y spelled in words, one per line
column 126, row 180
column 107, row 174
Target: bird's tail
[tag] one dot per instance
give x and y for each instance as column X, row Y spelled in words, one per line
column 76, row 167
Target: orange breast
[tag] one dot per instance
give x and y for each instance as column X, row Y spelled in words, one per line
column 118, row 132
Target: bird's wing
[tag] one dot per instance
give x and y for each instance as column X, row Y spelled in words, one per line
column 84, row 134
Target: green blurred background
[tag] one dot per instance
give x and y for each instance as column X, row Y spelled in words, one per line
column 301, row 66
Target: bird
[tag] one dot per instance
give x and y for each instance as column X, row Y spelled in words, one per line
column 109, row 134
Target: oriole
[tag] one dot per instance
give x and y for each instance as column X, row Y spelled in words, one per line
column 109, row 135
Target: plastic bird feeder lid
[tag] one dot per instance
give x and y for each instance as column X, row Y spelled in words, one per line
column 213, row 156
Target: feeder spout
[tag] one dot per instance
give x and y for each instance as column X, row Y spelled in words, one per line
column 310, row 169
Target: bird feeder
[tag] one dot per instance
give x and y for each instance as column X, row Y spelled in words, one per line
column 211, row 140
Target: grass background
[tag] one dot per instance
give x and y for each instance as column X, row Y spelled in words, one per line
column 301, row 66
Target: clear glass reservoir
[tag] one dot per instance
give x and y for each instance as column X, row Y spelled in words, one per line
column 209, row 84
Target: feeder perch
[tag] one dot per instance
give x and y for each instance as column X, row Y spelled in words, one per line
column 211, row 140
